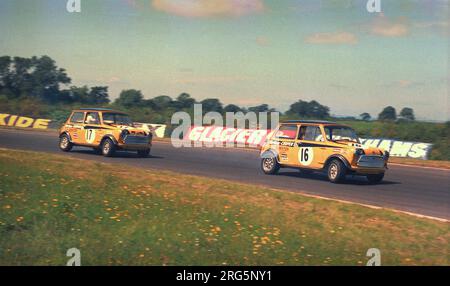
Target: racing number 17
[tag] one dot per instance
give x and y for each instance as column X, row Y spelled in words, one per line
column 89, row 135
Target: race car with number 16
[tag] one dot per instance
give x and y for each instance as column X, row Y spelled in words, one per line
column 322, row 146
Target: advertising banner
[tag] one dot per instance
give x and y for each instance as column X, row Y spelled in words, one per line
column 23, row 122
column 158, row 129
column 256, row 138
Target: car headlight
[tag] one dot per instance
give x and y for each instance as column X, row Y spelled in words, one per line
column 359, row 152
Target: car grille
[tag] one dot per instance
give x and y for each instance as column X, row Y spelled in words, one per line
column 368, row 161
column 130, row 139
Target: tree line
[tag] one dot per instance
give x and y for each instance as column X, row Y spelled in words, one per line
column 41, row 79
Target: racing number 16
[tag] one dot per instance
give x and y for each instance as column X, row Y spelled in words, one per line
column 304, row 155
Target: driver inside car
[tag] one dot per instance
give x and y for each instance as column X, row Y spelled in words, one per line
column 90, row 119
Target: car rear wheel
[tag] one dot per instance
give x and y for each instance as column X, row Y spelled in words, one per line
column 270, row 166
column 108, row 147
column 336, row 171
column 143, row 153
column 375, row 178
column 64, row 143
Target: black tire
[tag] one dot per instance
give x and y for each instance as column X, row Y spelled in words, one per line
column 270, row 166
column 64, row 143
column 108, row 147
column 336, row 171
column 143, row 153
column 375, row 178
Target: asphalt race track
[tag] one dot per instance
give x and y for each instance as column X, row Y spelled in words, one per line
column 423, row 191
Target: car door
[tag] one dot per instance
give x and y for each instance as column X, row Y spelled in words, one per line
column 75, row 127
column 283, row 141
column 92, row 131
column 310, row 146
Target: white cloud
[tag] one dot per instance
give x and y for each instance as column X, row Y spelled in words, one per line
column 384, row 27
column 440, row 24
column 332, row 38
column 405, row 83
column 208, row 8
column 262, row 41
column 440, row 27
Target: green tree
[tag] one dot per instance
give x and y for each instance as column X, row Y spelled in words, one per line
column 211, row 104
column 261, row 108
column 99, row 95
column 365, row 116
column 130, row 98
column 79, row 94
column 161, row 102
column 318, row 110
column 312, row 109
column 20, row 79
column 388, row 113
column 38, row 77
column 46, row 78
column 232, row 108
column 407, row 113
column 5, row 74
column 184, row 100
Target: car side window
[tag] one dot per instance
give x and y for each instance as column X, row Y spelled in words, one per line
column 77, row 117
column 92, row 118
column 286, row 132
column 310, row 133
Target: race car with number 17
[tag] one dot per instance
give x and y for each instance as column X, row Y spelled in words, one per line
column 104, row 130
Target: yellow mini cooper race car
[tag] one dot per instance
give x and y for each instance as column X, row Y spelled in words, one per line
column 322, row 146
column 105, row 131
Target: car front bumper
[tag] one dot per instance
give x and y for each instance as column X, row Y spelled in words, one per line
column 371, row 161
column 370, row 164
column 132, row 142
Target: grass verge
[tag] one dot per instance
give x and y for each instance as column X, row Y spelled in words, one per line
column 420, row 163
column 118, row 215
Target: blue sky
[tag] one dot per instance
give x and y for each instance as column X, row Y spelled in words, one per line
column 247, row 51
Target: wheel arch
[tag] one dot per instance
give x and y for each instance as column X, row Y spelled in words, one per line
column 108, row 136
column 67, row 134
column 270, row 153
column 339, row 157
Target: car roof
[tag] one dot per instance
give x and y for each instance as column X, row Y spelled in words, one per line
column 100, row 110
column 309, row 121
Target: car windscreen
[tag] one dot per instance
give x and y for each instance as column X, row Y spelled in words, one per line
column 117, row 118
column 341, row 133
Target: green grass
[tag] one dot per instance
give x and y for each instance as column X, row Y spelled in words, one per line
column 118, row 215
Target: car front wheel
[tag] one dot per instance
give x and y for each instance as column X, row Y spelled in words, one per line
column 336, row 171
column 270, row 166
column 64, row 143
column 375, row 178
column 108, row 147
